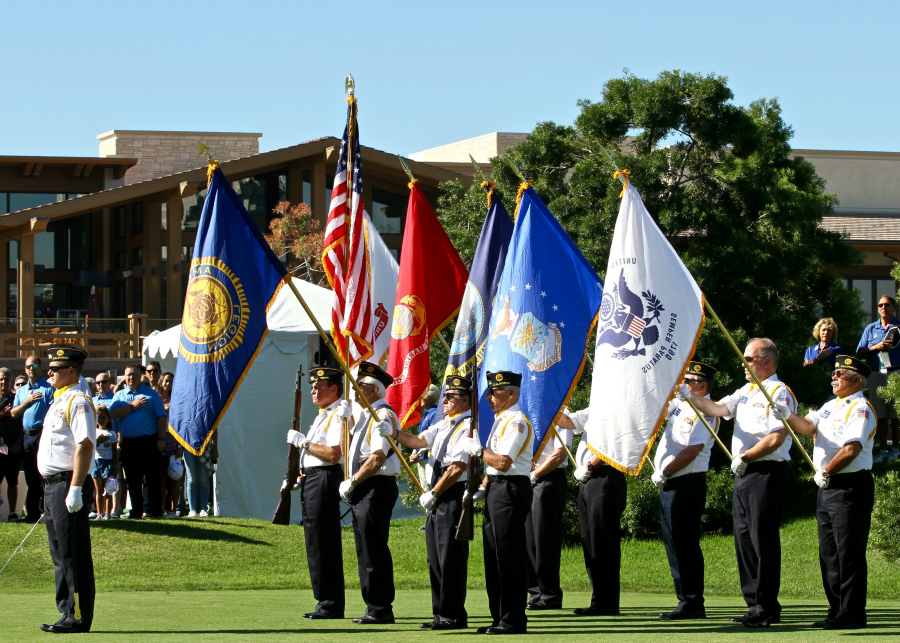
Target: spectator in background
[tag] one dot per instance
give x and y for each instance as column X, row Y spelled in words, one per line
column 10, row 443
column 142, row 424
column 106, row 462
column 153, row 371
column 31, row 404
column 92, row 385
column 882, row 356
column 104, row 397
column 824, row 352
column 20, row 381
column 173, row 448
column 199, row 470
column 420, row 456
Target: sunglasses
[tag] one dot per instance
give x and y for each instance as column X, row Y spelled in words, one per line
column 57, row 369
column 885, row 305
column 452, row 396
column 692, row 379
column 32, row 366
column 843, row 375
column 751, row 359
column 152, row 370
column 102, row 381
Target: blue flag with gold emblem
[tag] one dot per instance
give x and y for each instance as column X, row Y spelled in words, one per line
column 234, row 279
column 544, row 313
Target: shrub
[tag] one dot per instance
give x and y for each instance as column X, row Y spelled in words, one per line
column 886, row 516
column 719, row 491
column 641, row 516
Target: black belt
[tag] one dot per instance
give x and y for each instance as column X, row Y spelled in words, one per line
column 36, row 431
column 311, row 470
column 57, row 478
column 501, row 478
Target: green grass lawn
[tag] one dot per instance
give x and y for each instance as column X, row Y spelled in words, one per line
column 150, row 575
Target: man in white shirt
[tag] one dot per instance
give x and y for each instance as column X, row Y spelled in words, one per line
column 371, row 489
column 507, row 491
column 845, row 434
column 320, row 464
column 761, row 449
column 543, row 534
column 682, row 459
column 446, row 475
column 64, row 459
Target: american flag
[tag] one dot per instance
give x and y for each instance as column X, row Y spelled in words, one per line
column 635, row 326
column 348, row 269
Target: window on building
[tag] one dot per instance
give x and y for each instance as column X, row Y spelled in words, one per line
column 12, row 299
column 164, row 254
column 388, row 211
column 137, row 256
column 120, row 259
column 329, row 185
column 307, row 187
column 137, row 296
column 4, row 203
column 163, row 297
column 164, row 217
column 45, row 250
column 187, row 253
column 137, row 217
column 120, row 224
column 870, row 291
column 120, row 288
column 260, row 194
column 191, row 207
column 24, row 200
column 13, row 255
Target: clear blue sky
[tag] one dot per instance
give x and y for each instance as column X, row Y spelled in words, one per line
column 428, row 73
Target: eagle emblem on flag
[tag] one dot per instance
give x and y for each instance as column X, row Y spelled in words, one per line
column 626, row 317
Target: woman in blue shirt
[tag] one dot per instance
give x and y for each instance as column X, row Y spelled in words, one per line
column 826, row 350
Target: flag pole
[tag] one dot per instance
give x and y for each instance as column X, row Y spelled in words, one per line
column 349, row 87
column 756, row 379
column 347, row 375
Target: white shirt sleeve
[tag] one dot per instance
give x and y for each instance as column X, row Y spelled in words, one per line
column 860, row 423
column 513, row 438
column 82, row 421
column 731, row 401
column 784, row 397
column 813, row 416
column 335, row 431
column 385, row 446
column 429, row 435
column 579, row 419
column 455, row 449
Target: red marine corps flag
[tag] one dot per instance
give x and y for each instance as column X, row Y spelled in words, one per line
column 429, row 293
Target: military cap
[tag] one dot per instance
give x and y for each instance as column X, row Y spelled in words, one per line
column 503, row 378
column 65, row 353
column 368, row 369
column 849, row 363
column 457, row 383
column 324, row 373
column 701, row 369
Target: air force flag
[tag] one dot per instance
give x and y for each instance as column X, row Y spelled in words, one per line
column 650, row 319
column 234, row 278
column 545, row 310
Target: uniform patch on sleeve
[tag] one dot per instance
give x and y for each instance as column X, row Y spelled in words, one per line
column 825, row 414
column 708, row 418
column 783, row 399
column 520, row 428
column 743, row 400
column 862, row 413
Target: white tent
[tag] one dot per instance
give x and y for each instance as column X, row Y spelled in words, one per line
column 252, row 447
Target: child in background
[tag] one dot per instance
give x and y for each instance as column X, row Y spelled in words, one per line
column 105, row 465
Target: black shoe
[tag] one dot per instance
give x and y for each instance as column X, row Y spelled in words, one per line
column 64, row 627
column 683, row 614
column 14, row 517
column 595, row 611
column 742, row 619
column 541, row 604
column 320, row 614
column 49, row 628
column 843, row 622
column 450, row 625
column 821, row 624
column 483, row 630
column 760, row 619
column 427, row 625
column 371, row 620
column 505, row 629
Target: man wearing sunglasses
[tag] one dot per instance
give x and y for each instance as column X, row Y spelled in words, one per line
column 153, row 371
column 883, row 356
column 507, row 492
column 844, row 429
column 761, row 449
column 31, row 404
column 445, row 472
column 682, row 459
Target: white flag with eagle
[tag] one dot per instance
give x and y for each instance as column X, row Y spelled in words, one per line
column 651, row 316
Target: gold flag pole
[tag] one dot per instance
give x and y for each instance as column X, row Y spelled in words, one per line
column 350, row 88
column 758, row 383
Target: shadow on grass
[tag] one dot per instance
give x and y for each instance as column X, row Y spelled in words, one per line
column 170, row 529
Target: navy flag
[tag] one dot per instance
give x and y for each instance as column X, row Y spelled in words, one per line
column 475, row 313
column 234, row 278
column 545, row 311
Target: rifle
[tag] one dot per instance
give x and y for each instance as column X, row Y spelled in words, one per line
column 283, row 511
column 465, row 530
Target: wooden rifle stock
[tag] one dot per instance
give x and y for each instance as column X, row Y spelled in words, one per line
column 465, row 530
column 283, row 511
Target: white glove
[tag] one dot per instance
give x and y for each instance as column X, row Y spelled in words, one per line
column 297, row 484
column 343, row 411
column 781, row 412
column 470, row 446
column 582, row 474
column 534, row 479
column 428, row 500
column 658, row 478
column 821, row 480
column 683, row 392
column 738, row 466
column 346, row 488
column 384, row 429
column 74, row 501
column 479, row 496
column 296, row 438
column 284, row 485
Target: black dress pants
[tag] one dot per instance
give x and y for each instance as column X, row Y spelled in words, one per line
column 757, row 507
column 601, row 502
column 63, row 531
column 372, row 502
column 506, row 509
column 681, row 504
column 543, row 537
column 321, row 502
column 844, row 515
column 448, row 558
column 140, row 458
column 34, row 497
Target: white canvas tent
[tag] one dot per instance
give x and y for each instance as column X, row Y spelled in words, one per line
column 252, row 447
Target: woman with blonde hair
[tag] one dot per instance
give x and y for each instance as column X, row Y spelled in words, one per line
column 826, row 350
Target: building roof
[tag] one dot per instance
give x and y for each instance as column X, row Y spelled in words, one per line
column 81, row 166
column 863, row 229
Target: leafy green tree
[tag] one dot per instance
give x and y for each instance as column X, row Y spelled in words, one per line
column 720, row 182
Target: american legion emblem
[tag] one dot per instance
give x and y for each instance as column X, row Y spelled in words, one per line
column 215, row 312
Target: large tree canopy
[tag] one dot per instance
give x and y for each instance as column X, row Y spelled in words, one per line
column 720, row 181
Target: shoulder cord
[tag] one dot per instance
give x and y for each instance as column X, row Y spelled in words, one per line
column 69, row 407
column 530, row 432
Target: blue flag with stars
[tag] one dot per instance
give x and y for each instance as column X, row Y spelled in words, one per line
column 234, row 279
column 546, row 308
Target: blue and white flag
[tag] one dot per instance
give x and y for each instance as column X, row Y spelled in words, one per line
column 650, row 321
column 546, row 307
column 475, row 313
column 234, row 278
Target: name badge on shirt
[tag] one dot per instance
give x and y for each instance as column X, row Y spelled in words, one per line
column 677, row 412
column 825, row 414
column 743, row 400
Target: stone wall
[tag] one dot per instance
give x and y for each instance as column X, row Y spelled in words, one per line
column 163, row 153
column 483, row 148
